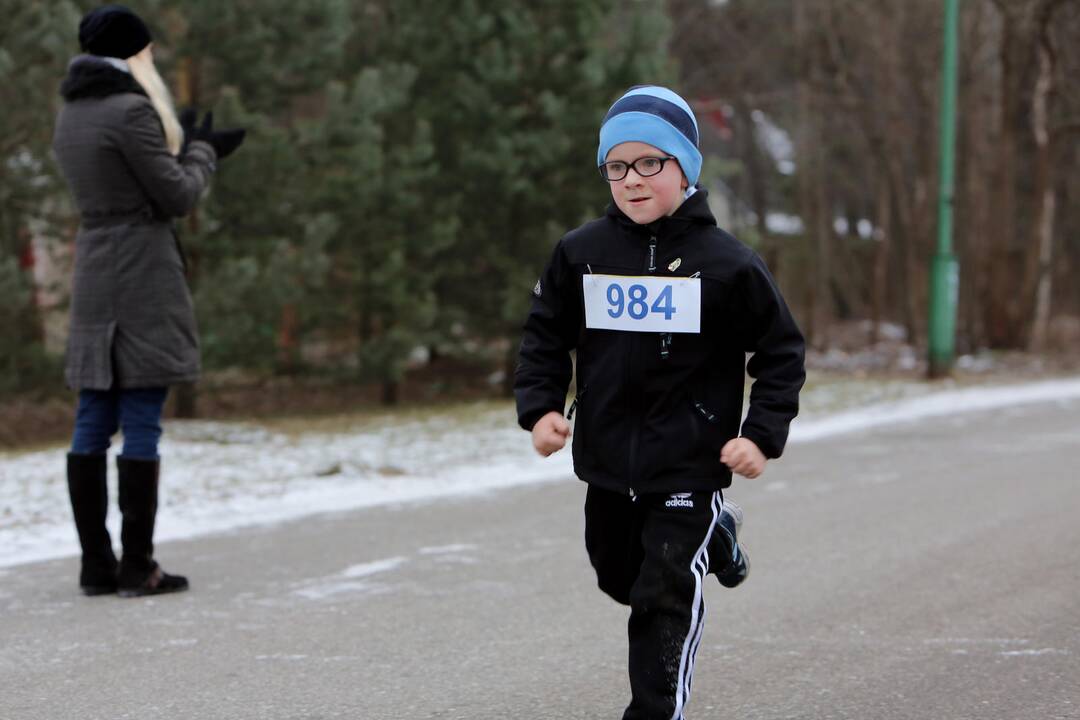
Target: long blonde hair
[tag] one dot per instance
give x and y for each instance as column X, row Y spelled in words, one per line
column 145, row 73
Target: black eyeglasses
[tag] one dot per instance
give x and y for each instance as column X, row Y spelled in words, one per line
column 644, row 166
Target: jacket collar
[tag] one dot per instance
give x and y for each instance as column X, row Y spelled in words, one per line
column 90, row 76
column 694, row 211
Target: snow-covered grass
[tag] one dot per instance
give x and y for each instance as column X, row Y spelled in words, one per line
column 219, row 476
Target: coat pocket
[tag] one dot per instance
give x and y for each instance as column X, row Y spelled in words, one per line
column 179, row 250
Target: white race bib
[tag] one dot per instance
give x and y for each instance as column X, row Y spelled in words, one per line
column 642, row 303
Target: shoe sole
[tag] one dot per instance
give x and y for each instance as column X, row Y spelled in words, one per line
column 144, row 592
column 739, row 579
column 736, row 513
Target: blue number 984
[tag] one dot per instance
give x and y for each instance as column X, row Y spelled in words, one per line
column 615, row 299
column 638, row 308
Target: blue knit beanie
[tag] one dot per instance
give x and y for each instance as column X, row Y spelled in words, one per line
column 656, row 116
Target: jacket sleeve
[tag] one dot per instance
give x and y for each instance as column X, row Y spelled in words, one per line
column 778, row 362
column 544, row 367
column 174, row 185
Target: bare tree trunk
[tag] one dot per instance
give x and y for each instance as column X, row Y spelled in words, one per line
column 365, row 323
column 905, row 229
column 1004, row 320
column 822, row 252
column 185, row 403
column 1039, row 271
column 390, row 392
column 917, row 255
column 808, row 195
column 187, row 94
column 883, row 222
column 973, row 193
column 850, row 275
column 288, row 348
column 752, row 156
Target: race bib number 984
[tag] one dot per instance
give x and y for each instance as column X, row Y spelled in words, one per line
column 642, row 304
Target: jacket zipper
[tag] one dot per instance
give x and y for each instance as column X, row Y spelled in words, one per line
column 577, row 398
column 665, row 346
column 665, row 338
column 650, row 268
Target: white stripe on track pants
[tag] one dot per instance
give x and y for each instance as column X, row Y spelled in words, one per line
column 651, row 553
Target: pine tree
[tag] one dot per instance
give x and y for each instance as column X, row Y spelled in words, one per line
column 36, row 41
column 515, row 92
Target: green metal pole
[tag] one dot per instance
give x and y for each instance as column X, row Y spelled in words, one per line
column 945, row 272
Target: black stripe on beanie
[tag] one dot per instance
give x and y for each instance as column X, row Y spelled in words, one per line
column 657, row 106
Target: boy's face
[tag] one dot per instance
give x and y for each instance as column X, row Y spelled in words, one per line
column 646, row 199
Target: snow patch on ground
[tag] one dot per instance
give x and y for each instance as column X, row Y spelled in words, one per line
column 1043, row 651
column 446, row 549
column 346, row 581
column 219, row 477
column 371, row 568
column 949, row 402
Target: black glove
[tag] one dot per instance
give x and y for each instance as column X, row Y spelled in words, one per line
column 226, row 141
column 187, row 118
column 223, row 141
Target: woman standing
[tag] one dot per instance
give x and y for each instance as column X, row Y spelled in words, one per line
column 122, row 151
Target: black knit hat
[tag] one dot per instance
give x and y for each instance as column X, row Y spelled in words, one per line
column 113, row 31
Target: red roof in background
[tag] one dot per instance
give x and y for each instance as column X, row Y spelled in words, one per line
column 715, row 113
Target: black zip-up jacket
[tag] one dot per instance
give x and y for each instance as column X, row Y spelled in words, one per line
column 654, row 410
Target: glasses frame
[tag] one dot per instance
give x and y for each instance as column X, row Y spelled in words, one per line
column 633, row 166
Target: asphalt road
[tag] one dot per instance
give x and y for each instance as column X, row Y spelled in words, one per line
column 919, row 571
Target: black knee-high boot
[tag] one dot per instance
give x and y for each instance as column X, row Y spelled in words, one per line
column 139, row 574
column 90, row 504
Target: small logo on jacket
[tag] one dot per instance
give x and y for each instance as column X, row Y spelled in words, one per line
column 679, row 500
column 537, row 290
column 674, row 265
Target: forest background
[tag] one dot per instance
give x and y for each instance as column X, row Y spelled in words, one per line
column 411, row 163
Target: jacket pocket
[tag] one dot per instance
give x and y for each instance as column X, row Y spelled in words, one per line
column 711, row 437
column 579, row 426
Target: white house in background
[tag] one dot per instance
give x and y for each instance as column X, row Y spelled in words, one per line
column 776, row 142
column 51, row 262
column 47, row 259
column 732, row 213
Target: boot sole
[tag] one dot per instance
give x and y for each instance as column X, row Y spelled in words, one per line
column 143, row 592
column 93, row 590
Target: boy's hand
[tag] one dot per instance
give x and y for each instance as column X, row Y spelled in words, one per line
column 549, row 433
column 742, row 456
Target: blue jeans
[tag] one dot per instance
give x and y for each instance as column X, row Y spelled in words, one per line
column 102, row 412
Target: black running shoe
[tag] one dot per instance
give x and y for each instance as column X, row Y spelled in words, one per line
column 738, row 567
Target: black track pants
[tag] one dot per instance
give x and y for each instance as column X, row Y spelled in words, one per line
column 651, row 553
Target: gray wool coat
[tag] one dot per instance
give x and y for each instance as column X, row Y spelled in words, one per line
column 132, row 318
